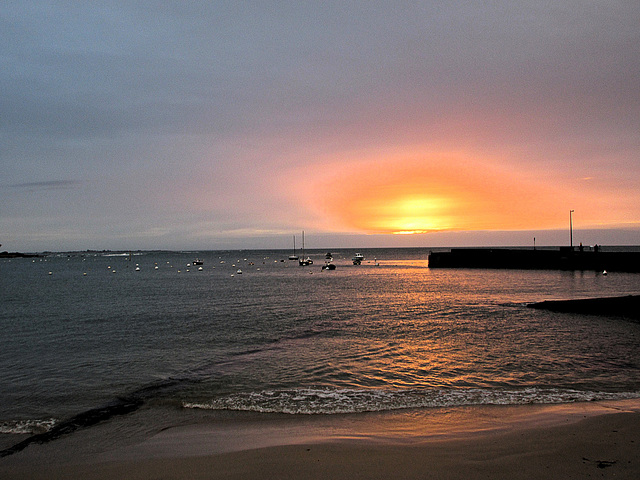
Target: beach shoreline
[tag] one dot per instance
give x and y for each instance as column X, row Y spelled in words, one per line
column 526, row 441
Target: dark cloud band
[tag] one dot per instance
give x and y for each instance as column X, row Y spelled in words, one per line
column 47, row 184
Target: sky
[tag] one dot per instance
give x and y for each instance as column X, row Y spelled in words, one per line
column 237, row 124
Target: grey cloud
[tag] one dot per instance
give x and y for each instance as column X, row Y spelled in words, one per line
column 47, row 185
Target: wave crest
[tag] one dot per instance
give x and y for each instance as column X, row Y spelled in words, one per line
column 27, row 426
column 310, row 401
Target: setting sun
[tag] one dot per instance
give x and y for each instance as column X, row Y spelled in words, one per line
column 412, row 214
column 408, row 194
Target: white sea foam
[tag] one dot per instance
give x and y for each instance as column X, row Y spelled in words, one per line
column 335, row 401
column 27, row 426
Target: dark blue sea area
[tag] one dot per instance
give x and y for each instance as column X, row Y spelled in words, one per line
column 89, row 335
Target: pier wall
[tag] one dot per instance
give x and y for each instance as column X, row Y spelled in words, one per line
column 560, row 259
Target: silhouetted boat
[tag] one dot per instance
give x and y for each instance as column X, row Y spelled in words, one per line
column 303, row 262
column 294, row 256
column 357, row 259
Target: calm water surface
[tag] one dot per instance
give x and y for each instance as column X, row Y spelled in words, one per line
column 290, row 339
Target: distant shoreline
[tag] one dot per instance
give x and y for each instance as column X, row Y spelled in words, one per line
column 429, row 249
column 18, row 255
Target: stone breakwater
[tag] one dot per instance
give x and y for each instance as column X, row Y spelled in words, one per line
column 553, row 259
column 627, row 306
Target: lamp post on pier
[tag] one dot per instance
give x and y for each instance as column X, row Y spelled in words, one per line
column 571, row 227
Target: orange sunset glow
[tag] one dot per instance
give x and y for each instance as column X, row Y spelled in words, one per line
column 402, row 195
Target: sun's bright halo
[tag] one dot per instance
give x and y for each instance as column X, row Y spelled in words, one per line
column 404, row 195
column 410, row 214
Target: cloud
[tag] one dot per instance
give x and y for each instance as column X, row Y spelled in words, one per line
column 47, row 185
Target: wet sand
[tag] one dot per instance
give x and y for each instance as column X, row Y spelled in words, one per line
column 597, row 439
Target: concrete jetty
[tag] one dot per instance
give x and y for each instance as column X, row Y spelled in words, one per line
column 562, row 258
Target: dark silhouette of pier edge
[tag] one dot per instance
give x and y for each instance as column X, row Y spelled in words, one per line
column 562, row 258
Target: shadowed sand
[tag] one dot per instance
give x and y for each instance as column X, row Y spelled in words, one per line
column 598, row 439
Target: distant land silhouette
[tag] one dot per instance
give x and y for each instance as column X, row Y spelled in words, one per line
column 17, row 255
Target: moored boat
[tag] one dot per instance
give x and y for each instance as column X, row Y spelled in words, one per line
column 303, row 262
column 357, row 259
column 294, row 256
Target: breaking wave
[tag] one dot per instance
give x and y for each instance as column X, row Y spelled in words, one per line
column 27, row 426
column 310, row 401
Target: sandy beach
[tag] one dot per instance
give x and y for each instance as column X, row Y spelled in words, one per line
column 586, row 440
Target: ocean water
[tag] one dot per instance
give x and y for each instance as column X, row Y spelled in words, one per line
column 85, row 335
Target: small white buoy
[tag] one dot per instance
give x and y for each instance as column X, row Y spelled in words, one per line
column 239, row 272
column 199, row 269
column 50, row 273
column 604, row 272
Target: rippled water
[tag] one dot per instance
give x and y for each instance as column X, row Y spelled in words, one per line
column 80, row 331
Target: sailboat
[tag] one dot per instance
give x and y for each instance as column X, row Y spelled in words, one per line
column 293, row 256
column 303, row 262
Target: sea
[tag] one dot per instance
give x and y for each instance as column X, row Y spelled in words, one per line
column 88, row 335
